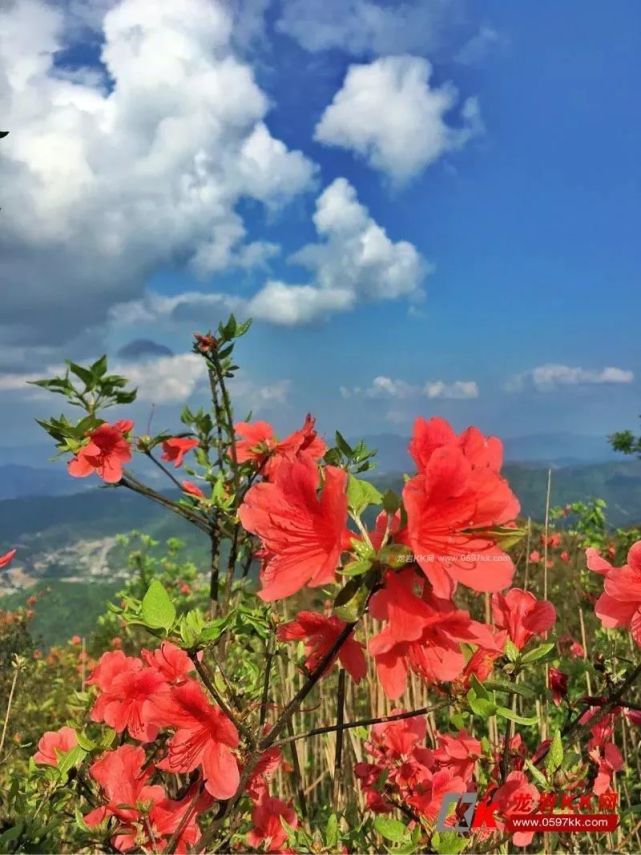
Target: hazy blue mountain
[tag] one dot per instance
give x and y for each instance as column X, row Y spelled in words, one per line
column 17, row 481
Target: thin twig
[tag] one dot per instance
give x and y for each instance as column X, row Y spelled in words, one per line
column 9, row 703
column 222, row 703
column 340, row 718
column 362, row 722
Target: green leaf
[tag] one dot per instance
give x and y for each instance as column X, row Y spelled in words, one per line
column 331, row 831
column 510, row 688
column 99, row 368
column 356, row 568
column 360, row 494
column 538, row 652
column 538, row 776
column 390, row 829
column 512, row 651
column 480, row 706
column 343, row 445
column 83, row 373
column 554, row 757
column 479, row 688
column 158, row 611
column 527, row 721
column 448, row 842
column 391, row 502
column 350, row 599
column 68, row 759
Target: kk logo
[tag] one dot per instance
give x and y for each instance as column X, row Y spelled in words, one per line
column 476, row 815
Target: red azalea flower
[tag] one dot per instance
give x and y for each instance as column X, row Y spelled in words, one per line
column 398, row 738
column 193, row 489
column 268, row 764
column 609, row 760
column 268, row 830
column 204, row 737
column 174, row 449
column 127, row 690
column 105, row 453
column 517, row 796
column 125, row 785
column 535, row 556
column 320, row 634
column 170, row 661
column 303, row 534
column 620, row 603
column 558, row 685
column 522, row 615
column 168, row 815
column 458, row 489
column 422, row 633
column 55, row 741
column 259, row 444
column 458, row 753
column 7, row 558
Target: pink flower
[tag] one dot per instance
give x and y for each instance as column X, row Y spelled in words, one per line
column 259, row 445
column 170, row 661
column 535, row 556
column 303, row 534
column 620, row 603
column 127, row 692
column 105, row 453
column 517, row 796
column 204, row 737
column 7, row 558
column 125, row 785
column 558, row 685
column 457, row 497
column 54, row 741
column 193, row 489
column 320, row 634
column 175, row 449
column 422, row 633
column 522, row 615
column 268, row 830
column 268, row 764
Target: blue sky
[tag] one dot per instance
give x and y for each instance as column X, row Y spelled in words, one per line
column 505, row 289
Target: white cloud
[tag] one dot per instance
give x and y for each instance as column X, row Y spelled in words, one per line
column 546, row 378
column 166, row 379
column 458, row 390
column 354, row 260
column 388, row 113
column 477, row 47
column 104, row 180
column 190, row 306
column 363, row 27
column 174, row 379
column 290, row 305
column 383, row 387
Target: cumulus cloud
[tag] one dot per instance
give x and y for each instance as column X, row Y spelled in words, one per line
column 546, row 378
column 364, row 27
column 190, row 307
column 459, row 390
column 162, row 380
column 382, row 388
column 388, row 113
column 107, row 177
column 354, row 260
column 174, row 379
